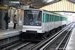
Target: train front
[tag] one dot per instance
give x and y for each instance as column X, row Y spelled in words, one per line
column 32, row 24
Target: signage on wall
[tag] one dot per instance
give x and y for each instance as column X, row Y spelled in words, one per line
column 14, row 3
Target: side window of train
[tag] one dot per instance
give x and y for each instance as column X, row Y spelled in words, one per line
column 55, row 18
column 59, row 18
column 52, row 18
column 62, row 18
column 49, row 17
column 46, row 18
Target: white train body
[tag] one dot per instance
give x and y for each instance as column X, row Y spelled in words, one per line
column 41, row 21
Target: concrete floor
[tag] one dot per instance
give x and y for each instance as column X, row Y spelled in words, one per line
column 18, row 28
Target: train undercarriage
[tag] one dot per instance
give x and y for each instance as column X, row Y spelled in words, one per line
column 34, row 36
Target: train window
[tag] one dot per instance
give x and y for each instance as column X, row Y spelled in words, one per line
column 64, row 18
column 32, row 15
column 49, row 17
column 46, row 18
column 57, row 18
column 61, row 18
column 53, row 18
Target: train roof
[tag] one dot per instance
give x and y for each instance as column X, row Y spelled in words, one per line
column 44, row 11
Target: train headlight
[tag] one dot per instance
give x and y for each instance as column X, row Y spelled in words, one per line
column 37, row 24
column 26, row 23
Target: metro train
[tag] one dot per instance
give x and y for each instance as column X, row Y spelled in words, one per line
column 38, row 23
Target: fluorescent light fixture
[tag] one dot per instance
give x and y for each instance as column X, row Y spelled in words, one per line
column 47, row 1
column 14, row 2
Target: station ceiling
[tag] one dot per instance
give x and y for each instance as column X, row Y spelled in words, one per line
column 36, row 3
column 39, row 3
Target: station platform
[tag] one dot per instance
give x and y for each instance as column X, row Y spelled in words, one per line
column 71, row 43
column 9, row 33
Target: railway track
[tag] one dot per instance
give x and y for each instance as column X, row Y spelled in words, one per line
column 59, row 43
column 50, row 43
column 53, row 43
column 20, row 46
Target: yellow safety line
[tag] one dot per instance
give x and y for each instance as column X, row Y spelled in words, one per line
column 1, row 35
column 3, row 7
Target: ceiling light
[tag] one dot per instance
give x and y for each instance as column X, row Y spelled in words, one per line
column 47, row 1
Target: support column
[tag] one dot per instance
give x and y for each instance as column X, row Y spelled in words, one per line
column 3, row 21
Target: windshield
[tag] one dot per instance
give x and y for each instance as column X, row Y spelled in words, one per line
column 32, row 16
